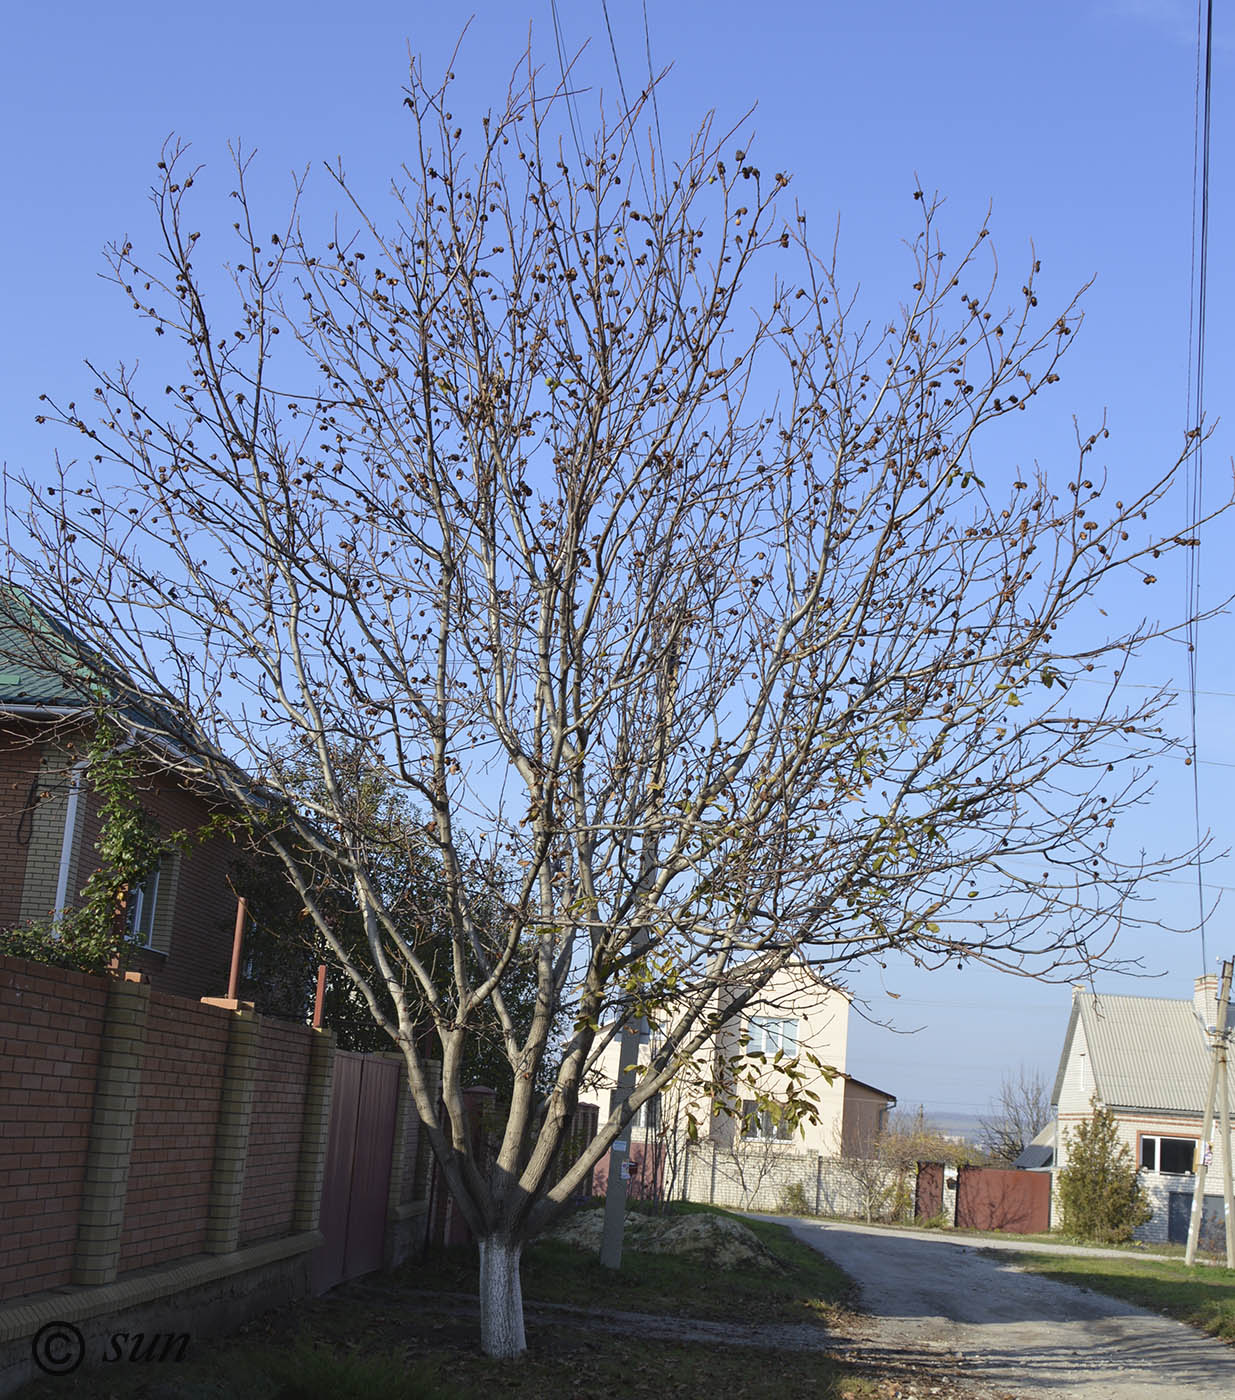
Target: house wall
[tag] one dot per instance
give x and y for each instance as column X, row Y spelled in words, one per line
column 195, row 909
column 1158, row 1185
column 822, row 1014
column 17, row 764
column 865, row 1117
column 793, row 993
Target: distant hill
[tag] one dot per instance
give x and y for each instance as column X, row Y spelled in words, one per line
column 960, row 1125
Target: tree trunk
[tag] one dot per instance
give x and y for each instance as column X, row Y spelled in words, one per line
column 501, row 1297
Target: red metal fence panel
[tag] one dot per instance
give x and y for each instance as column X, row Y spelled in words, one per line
column 928, row 1197
column 356, row 1182
column 992, row 1198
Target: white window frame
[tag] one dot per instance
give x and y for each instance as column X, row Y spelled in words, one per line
column 647, row 1115
column 1158, row 1139
column 143, row 909
column 757, row 1125
column 768, row 1034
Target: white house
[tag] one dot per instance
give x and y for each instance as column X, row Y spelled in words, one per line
column 1147, row 1059
column 799, row 1015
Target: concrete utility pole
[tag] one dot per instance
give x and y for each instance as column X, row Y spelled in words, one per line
column 634, row 1032
column 633, row 1035
column 1218, row 1118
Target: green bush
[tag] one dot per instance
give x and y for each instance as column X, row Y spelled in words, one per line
column 793, row 1200
column 1100, row 1195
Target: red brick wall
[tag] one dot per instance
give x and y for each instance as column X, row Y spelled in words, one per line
column 173, row 1141
column 19, row 762
column 51, row 1024
column 274, row 1132
column 197, row 963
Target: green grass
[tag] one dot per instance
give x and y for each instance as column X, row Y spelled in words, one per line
column 808, row 1290
column 408, row 1336
column 1201, row 1296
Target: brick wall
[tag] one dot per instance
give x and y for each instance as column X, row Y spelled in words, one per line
column 19, row 761
column 140, row 1130
column 173, row 1141
column 274, row 1133
column 51, row 1024
column 198, row 908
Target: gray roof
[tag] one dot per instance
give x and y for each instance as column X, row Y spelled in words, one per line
column 1040, row 1153
column 1144, row 1052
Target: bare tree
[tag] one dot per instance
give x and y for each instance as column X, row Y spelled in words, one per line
column 709, row 622
column 1017, row 1116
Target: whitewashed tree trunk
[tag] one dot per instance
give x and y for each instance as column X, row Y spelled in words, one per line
column 501, row 1298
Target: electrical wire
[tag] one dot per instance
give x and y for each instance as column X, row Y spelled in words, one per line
column 617, row 66
column 1198, row 297
column 660, row 144
column 561, row 63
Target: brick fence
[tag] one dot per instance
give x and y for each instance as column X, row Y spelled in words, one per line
column 155, row 1152
column 774, row 1177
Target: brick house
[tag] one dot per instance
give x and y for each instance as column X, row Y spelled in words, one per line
column 181, row 918
column 1147, row 1059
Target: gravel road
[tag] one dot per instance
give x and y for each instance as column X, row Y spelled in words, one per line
column 1012, row 1333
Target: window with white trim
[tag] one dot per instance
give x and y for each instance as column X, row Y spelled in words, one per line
column 765, row 1125
column 141, row 906
column 150, row 907
column 1168, row 1154
column 647, row 1115
column 767, row 1035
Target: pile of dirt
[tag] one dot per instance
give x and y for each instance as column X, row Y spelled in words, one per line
column 715, row 1240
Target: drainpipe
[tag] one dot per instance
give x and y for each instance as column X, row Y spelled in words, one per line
column 70, row 831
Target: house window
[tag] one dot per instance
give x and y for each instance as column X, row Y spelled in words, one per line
column 149, row 908
column 767, row 1036
column 647, row 1116
column 764, row 1125
column 1168, row 1154
column 142, row 904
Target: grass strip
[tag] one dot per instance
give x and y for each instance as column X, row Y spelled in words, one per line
column 1202, row 1296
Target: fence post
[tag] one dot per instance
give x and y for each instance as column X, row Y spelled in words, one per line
column 231, row 1143
column 111, row 1131
column 818, row 1183
column 315, row 1126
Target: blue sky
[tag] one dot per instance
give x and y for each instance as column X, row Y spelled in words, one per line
column 1073, row 120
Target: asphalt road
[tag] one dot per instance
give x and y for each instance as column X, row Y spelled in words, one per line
column 1011, row 1332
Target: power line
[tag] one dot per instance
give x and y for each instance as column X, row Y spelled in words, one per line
column 604, row 5
column 1198, row 297
column 561, row 63
column 647, row 44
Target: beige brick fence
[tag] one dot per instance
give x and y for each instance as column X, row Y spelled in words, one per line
column 762, row 1176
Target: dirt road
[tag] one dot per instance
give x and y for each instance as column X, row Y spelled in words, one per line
column 1013, row 1333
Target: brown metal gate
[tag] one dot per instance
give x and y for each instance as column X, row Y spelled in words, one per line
column 928, row 1196
column 991, row 1198
column 357, row 1174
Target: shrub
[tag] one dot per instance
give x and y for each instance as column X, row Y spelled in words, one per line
column 793, row 1200
column 1100, row 1194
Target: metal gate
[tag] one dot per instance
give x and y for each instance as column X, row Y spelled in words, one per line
column 357, row 1175
column 994, row 1198
column 928, row 1197
column 1213, row 1213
